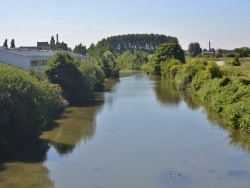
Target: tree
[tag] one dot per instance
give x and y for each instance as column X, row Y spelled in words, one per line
column 77, row 80
column 242, row 52
column 80, row 49
column 194, row 49
column 19, row 93
column 167, row 51
column 219, row 53
column 5, row 44
column 140, row 42
column 12, row 45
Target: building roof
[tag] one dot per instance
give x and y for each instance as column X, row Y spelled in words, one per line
column 36, row 52
column 28, row 52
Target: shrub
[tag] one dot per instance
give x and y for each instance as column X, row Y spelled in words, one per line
column 77, row 80
column 167, row 65
column 26, row 105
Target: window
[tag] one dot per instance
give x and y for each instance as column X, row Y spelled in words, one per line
column 38, row 63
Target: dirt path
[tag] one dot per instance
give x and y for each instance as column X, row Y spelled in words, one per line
column 220, row 63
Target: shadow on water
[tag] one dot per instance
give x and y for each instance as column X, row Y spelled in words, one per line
column 77, row 124
column 24, row 168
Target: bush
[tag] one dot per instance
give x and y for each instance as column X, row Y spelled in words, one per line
column 167, row 65
column 77, row 80
column 236, row 61
column 222, row 92
column 164, row 52
column 94, row 77
column 26, row 105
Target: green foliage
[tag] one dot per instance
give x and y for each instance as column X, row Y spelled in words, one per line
column 240, row 52
column 94, row 77
column 167, row 51
column 140, row 42
column 168, row 69
column 109, row 65
column 235, row 62
column 77, row 81
column 224, row 93
column 243, row 51
column 194, row 49
column 132, row 60
column 80, row 49
column 230, row 54
column 212, row 71
column 148, row 68
column 26, row 105
column 99, row 49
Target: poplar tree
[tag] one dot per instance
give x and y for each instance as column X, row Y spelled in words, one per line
column 5, row 44
column 12, row 44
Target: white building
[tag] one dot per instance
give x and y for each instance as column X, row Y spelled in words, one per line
column 30, row 58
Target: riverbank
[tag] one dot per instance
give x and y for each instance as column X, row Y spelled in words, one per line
column 224, row 91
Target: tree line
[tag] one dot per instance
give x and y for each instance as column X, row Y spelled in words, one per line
column 12, row 43
column 29, row 100
column 140, row 42
column 195, row 50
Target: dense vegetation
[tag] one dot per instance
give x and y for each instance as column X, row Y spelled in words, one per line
column 126, row 51
column 194, row 49
column 163, row 54
column 29, row 100
column 26, row 105
column 80, row 49
column 77, row 80
column 224, row 91
column 140, row 42
column 132, row 60
column 103, row 56
column 239, row 52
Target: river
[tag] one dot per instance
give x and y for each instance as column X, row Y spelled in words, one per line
column 141, row 133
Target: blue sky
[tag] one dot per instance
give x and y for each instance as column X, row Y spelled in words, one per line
column 226, row 23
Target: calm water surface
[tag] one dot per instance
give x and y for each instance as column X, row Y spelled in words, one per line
column 139, row 134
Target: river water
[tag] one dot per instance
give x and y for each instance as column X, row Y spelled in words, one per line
column 141, row 133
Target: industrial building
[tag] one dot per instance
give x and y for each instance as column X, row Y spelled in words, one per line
column 210, row 51
column 30, row 58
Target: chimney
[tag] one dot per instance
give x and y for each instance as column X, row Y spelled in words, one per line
column 209, row 46
column 56, row 38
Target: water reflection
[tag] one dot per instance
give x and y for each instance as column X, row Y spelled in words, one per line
column 166, row 92
column 237, row 139
column 25, row 168
column 77, row 124
column 240, row 140
column 126, row 73
column 190, row 101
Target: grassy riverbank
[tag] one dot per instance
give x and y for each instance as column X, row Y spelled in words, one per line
column 225, row 91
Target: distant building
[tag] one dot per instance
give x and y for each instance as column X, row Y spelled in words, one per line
column 30, row 58
column 52, row 41
column 41, row 44
column 208, row 52
column 53, row 44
